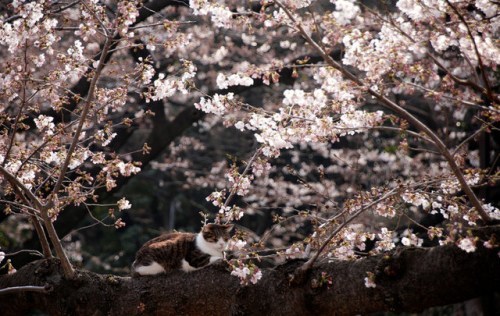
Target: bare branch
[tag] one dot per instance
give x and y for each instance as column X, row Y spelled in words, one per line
column 29, row 251
column 27, row 288
column 244, row 173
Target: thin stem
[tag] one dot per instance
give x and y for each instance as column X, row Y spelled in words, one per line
column 23, row 103
column 33, row 200
column 397, row 129
column 47, row 253
column 465, row 141
column 33, row 154
column 401, row 112
column 16, row 183
column 82, row 228
column 33, row 203
column 69, row 5
column 26, row 288
column 31, row 252
column 465, row 102
column 247, row 168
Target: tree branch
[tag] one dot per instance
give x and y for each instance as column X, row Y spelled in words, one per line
column 33, row 201
column 407, row 279
column 68, row 269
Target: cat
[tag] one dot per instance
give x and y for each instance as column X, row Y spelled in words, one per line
column 185, row 251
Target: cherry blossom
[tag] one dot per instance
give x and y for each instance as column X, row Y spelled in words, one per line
column 123, row 204
column 247, row 273
column 370, row 280
column 467, row 244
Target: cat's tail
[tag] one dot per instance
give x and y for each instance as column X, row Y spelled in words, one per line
column 133, row 269
column 152, row 268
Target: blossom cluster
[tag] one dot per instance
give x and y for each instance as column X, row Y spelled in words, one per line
column 247, row 273
column 220, row 15
column 165, row 87
column 224, row 82
column 217, row 104
column 128, row 15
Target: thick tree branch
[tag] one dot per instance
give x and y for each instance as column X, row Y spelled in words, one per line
column 408, row 279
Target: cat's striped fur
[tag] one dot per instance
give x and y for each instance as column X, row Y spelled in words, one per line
column 185, row 251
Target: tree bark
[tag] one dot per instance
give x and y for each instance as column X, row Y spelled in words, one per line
column 408, row 279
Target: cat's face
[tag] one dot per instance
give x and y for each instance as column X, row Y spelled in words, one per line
column 217, row 234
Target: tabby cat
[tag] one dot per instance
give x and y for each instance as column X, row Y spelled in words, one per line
column 186, row 251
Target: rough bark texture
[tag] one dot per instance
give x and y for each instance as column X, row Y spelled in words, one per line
column 407, row 279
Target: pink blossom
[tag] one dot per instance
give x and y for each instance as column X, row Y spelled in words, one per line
column 370, row 280
column 123, row 204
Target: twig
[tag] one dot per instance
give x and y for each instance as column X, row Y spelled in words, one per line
column 21, row 108
column 16, row 183
column 33, row 203
column 465, row 102
column 30, row 251
column 247, row 168
column 26, row 288
column 465, row 141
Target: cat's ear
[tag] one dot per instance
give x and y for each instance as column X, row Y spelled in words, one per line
column 228, row 227
column 207, row 227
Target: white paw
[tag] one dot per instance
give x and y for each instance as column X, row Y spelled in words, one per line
column 186, row 267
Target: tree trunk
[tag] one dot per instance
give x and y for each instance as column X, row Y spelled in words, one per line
column 408, row 279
